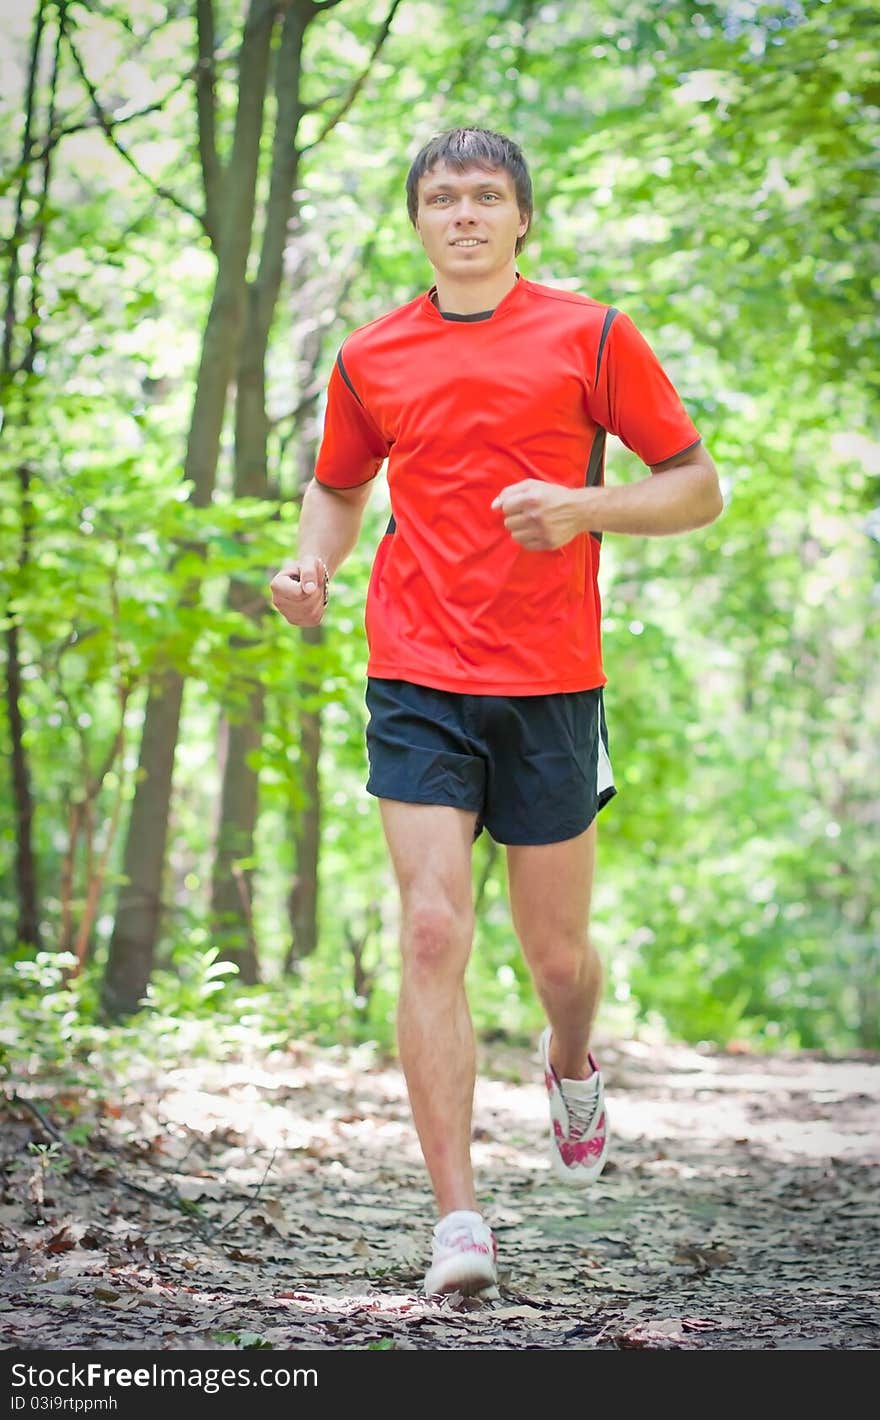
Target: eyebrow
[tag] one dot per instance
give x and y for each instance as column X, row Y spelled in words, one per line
column 431, row 186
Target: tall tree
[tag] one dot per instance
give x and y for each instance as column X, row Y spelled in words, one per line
column 232, row 876
column 133, row 941
column 235, row 344
column 231, row 885
column 18, row 368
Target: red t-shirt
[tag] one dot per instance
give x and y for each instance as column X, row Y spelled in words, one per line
column 462, row 408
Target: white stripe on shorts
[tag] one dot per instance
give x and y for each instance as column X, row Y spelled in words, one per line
column 604, row 772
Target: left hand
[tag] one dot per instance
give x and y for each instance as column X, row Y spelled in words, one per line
column 541, row 516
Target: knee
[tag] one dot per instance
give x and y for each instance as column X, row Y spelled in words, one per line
column 436, row 937
column 561, row 962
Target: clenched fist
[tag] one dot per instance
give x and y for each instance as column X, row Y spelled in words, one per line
column 541, row 516
column 299, row 591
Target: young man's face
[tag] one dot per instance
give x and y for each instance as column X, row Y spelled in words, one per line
column 468, row 221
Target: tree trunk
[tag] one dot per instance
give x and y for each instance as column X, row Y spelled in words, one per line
column 231, row 901
column 302, row 904
column 231, row 885
column 28, row 926
column 130, row 962
column 27, row 893
column 135, row 931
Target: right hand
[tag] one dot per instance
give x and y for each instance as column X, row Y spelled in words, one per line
column 298, row 592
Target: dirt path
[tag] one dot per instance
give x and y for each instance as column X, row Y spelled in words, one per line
column 281, row 1202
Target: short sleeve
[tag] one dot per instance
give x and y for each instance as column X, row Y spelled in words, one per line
column 352, row 448
column 635, row 399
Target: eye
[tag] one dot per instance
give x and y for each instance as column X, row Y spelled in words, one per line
column 490, row 197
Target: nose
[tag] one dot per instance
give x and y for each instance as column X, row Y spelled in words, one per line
column 466, row 211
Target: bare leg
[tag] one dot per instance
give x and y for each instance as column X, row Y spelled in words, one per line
column 550, row 890
column 430, row 849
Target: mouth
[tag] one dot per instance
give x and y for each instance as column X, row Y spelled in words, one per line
column 467, row 242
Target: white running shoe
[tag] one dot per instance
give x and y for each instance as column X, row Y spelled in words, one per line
column 464, row 1253
column 578, row 1122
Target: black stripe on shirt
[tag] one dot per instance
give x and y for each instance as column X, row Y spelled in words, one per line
column 344, row 373
column 595, row 465
column 607, row 324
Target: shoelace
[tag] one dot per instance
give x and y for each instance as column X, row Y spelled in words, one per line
column 581, row 1114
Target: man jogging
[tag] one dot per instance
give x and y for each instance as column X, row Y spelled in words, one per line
column 490, row 397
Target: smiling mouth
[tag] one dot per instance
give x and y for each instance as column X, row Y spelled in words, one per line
column 469, row 242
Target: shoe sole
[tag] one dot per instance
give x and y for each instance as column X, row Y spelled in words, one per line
column 455, row 1275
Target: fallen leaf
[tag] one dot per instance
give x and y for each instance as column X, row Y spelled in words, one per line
column 510, row 1313
column 62, row 1241
column 191, row 1189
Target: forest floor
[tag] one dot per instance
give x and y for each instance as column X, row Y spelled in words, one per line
column 281, row 1202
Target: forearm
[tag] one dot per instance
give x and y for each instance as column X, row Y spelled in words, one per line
column 330, row 522
column 672, row 501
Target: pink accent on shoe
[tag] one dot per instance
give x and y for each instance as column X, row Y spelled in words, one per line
column 578, row 1132
column 464, row 1254
column 580, row 1151
column 464, row 1243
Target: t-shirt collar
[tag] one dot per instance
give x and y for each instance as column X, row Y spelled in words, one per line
column 510, row 297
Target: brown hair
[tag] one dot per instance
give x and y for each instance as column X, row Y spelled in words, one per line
column 463, row 148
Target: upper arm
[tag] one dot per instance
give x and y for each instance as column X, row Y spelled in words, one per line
column 699, row 487
column 696, row 457
column 353, row 448
column 635, row 399
column 357, row 496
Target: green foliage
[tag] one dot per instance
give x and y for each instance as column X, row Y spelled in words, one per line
column 50, row 1158
column 195, row 984
column 711, row 169
column 244, row 1340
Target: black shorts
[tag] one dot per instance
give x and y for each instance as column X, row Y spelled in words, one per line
column 534, row 768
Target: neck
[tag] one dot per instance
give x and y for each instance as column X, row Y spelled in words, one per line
column 466, row 298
